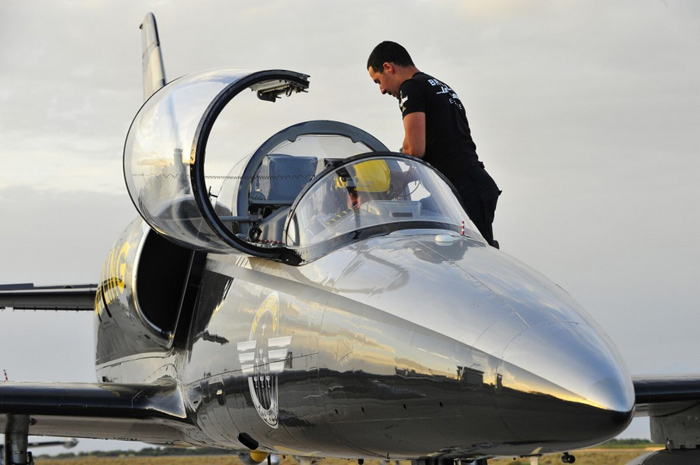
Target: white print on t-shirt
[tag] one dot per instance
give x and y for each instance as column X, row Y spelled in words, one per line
column 455, row 101
column 402, row 101
column 444, row 89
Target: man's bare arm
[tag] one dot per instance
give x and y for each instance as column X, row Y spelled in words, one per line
column 414, row 139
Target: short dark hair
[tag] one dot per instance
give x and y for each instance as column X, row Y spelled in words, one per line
column 388, row 52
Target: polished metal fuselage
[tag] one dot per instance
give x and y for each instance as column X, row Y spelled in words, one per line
column 398, row 346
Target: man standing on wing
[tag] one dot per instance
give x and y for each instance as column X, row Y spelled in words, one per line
column 436, row 129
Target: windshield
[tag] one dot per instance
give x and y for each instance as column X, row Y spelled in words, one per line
column 374, row 194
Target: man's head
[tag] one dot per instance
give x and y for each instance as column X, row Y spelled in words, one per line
column 389, row 65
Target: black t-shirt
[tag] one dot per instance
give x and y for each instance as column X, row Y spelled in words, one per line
column 449, row 145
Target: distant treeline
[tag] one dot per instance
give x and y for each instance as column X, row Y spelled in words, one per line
column 146, row 452
column 169, row 451
column 625, row 443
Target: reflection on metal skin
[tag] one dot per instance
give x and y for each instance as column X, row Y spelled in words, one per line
column 468, row 354
column 560, row 382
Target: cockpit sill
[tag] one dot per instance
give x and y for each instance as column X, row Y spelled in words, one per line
column 301, row 255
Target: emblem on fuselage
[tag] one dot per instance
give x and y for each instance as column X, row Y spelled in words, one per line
column 263, row 357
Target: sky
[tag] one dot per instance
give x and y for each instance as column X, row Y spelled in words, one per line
column 586, row 113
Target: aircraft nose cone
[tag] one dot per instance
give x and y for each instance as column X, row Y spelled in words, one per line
column 563, row 381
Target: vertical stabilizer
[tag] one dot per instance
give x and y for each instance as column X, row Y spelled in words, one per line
column 152, row 59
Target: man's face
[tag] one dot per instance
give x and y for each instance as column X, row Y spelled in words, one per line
column 387, row 80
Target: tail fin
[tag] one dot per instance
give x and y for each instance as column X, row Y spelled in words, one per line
column 152, row 59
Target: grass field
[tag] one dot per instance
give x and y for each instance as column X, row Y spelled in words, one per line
column 588, row 457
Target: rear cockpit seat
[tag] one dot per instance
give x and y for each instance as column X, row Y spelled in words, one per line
column 276, row 185
column 281, row 178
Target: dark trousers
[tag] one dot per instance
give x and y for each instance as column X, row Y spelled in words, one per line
column 479, row 194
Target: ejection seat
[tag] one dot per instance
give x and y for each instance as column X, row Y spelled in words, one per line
column 276, row 185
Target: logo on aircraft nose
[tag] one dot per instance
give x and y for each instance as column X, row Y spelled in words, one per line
column 263, row 357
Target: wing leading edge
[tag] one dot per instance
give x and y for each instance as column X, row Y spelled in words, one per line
column 673, row 407
column 29, row 297
column 148, row 413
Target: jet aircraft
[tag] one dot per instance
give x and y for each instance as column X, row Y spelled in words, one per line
column 332, row 299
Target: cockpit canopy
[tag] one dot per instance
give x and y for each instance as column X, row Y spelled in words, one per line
column 304, row 188
column 372, row 194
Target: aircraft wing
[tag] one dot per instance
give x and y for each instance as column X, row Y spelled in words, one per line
column 29, row 297
column 148, row 413
column 673, row 407
column 138, row 412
